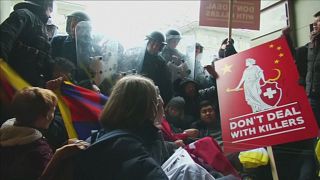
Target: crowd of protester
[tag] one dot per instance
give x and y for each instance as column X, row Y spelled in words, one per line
column 154, row 111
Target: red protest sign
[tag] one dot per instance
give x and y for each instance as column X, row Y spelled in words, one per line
column 246, row 13
column 261, row 103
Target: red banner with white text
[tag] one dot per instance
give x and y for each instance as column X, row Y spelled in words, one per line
column 215, row 13
column 261, row 103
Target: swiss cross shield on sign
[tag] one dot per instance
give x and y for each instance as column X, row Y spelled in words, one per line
column 261, row 103
column 271, row 94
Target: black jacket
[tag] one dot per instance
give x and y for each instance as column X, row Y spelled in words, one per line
column 136, row 155
column 313, row 68
column 64, row 46
column 307, row 59
column 155, row 68
column 300, row 57
column 24, row 43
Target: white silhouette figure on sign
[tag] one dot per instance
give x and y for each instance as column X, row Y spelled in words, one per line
column 251, row 78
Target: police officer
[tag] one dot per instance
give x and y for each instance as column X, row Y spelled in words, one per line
column 24, row 42
column 170, row 53
column 154, row 66
column 65, row 46
column 174, row 59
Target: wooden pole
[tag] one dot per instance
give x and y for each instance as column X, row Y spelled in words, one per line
column 230, row 19
column 272, row 163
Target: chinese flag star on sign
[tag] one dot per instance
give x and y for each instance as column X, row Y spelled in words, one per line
column 261, row 103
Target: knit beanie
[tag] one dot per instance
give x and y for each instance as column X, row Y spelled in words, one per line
column 176, row 102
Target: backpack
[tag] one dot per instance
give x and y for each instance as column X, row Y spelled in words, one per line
column 65, row 168
column 104, row 135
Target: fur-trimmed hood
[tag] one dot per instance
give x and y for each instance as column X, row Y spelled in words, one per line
column 11, row 135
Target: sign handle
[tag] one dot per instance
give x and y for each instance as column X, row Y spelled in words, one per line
column 230, row 19
column 272, row 163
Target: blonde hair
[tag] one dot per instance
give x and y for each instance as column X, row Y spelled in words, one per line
column 132, row 103
column 31, row 102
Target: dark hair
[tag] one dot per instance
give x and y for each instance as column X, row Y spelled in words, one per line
column 316, row 14
column 226, row 40
column 198, row 46
column 186, row 81
column 80, row 16
column 206, row 103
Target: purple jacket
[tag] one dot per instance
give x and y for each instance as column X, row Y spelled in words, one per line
column 24, row 153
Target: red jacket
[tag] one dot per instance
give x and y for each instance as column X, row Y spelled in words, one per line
column 169, row 135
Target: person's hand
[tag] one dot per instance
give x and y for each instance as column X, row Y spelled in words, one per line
column 179, row 143
column 95, row 88
column 54, row 84
column 160, row 111
column 211, row 70
column 192, row 133
column 74, row 146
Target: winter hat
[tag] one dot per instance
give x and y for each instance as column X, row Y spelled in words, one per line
column 176, row 102
column 185, row 81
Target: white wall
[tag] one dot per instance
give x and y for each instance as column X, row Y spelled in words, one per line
column 303, row 12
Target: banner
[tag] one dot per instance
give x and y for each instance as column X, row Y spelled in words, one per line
column 261, row 103
column 246, row 13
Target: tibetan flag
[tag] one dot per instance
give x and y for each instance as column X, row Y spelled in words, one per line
column 81, row 109
column 10, row 81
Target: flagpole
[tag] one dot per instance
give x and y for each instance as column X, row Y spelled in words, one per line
column 272, row 163
column 230, row 19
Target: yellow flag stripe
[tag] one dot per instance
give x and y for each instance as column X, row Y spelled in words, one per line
column 18, row 83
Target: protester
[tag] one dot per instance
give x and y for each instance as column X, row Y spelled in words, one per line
column 24, row 151
column 133, row 108
column 208, row 125
column 173, row 124
column 199, row 146
column 312, row 76
column 193, row 95
column 227, row 48
column 300, row 155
